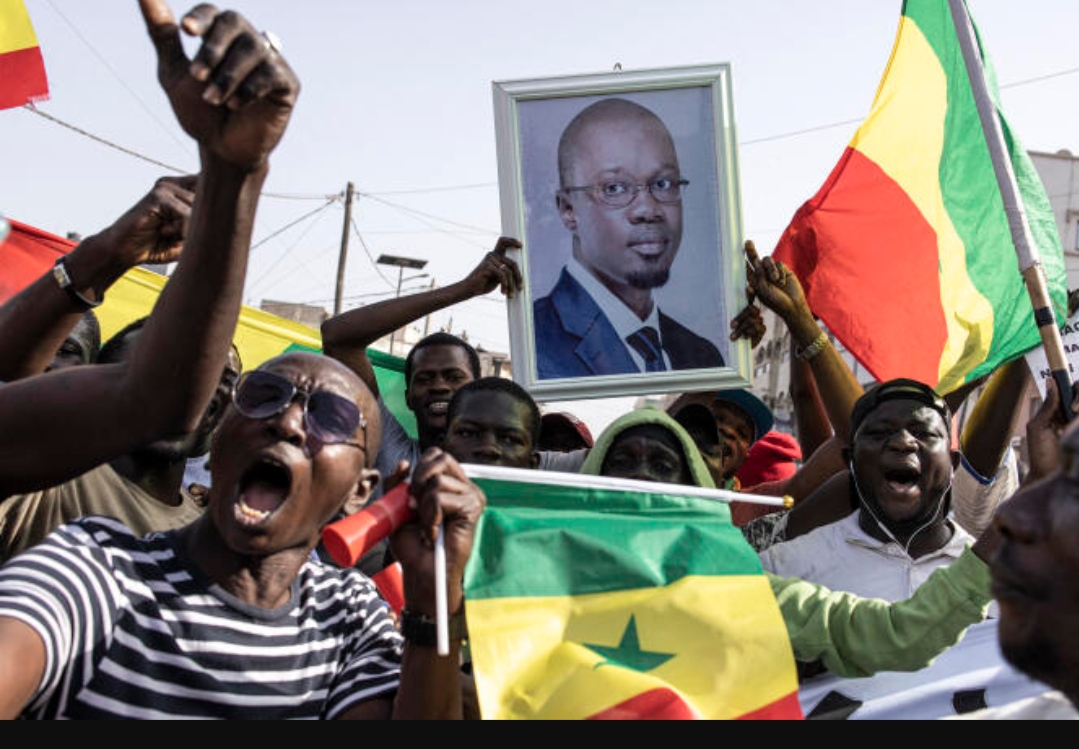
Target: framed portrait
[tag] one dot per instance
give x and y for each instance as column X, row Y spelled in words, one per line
column 624, row 191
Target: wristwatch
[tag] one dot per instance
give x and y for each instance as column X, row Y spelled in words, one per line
column 63, row 280
column 421, row 630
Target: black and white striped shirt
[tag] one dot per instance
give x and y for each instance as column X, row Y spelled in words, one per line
column 134, row 630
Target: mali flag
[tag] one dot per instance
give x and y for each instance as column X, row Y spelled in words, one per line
column 590, row 601
column 22, row 69
column 28, row 253
column 906, row 252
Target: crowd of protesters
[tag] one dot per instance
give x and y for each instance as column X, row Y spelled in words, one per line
column 123, row 594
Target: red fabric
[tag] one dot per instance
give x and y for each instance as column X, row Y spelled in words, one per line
column 771, row 462
column 883, row 300
column 774, row 457
column 26, row 255
column 22, row 78
column 659, row 704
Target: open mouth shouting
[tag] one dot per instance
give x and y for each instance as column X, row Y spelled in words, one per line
column 264, row 487
column 902, row 480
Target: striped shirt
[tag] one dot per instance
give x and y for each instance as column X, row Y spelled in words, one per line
column 132, row 629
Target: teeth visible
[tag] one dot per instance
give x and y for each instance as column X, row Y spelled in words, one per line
column 439, row 408
column 250, row 512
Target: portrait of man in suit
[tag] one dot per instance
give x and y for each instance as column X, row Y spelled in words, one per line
column 620, row 197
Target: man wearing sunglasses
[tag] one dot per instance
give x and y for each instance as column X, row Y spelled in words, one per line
column 620, row 197
column 289, row 636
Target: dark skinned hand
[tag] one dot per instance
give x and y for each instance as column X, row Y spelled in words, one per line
column 235, row 67
column 497, row 270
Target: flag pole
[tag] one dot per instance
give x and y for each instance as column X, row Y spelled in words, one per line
column 1030, row 264
column 580, row 481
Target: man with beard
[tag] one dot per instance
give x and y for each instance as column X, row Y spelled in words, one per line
column 143, row 489
column 620, row 197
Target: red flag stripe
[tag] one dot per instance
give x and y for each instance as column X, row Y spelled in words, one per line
column 659, row 704
column 22, row 78
column 26, row 255
column 896, row 268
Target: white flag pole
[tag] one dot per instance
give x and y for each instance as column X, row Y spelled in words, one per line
column 1030, row 263
column 582, row 481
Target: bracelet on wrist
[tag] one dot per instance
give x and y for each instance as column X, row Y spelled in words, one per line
column 63, row 280
column 810, row 352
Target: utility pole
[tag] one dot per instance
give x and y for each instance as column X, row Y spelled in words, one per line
column 349, row 192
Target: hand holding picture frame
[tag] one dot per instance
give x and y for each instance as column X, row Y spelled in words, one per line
column 623, row 189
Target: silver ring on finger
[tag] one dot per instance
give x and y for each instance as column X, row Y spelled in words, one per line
column 272, row 41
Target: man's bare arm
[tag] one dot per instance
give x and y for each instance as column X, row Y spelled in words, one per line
column 235, row 98
column 35, row 323
column 346, row 337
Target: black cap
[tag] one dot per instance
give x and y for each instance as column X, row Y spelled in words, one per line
column 897, row 390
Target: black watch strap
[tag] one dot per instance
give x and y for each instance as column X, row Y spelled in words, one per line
column 63, row 280
column 421, row 630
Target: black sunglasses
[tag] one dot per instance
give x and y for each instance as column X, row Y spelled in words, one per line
column 331, row 418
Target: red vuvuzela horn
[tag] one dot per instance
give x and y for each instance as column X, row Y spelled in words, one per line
column 348, row 539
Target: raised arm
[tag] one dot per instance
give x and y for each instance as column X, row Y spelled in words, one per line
column 779, row 290
column 35, row 323
column 811, row 421
column 994, row 419
column 235, row 98
column 347, row 336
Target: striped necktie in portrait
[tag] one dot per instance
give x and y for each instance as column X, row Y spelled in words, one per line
column 646, row 342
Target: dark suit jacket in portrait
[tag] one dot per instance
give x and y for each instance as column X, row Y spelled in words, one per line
column 574, row 338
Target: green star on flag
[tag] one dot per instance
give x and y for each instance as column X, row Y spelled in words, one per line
column 628, row 654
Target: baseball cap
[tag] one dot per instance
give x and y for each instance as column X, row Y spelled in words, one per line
column 754, row 407
column 774, row 457
column 561, row 420
column 899, row 389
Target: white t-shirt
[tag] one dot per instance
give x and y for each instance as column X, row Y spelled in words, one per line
column 843, row 557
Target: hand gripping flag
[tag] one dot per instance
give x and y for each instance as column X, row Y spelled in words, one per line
column 588, row 601
column 22, row 69
column 906, row 252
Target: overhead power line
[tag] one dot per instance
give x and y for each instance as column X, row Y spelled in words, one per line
column 375, row 195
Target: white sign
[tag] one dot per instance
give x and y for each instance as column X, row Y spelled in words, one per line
column 971, row 676
column 1039, row 362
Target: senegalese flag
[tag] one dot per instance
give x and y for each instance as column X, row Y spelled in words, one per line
column 906, row 252
column 589, row 601
column 22, row 68
column 28, row 253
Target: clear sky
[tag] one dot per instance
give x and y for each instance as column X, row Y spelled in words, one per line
column 397, row 99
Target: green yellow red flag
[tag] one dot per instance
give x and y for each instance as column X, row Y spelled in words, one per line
column 22, row 69
column 596, row 599
column 906, row 253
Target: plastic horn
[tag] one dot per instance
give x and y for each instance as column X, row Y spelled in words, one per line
column 348, row 539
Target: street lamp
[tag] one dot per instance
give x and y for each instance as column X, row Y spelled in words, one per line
column 401, row 263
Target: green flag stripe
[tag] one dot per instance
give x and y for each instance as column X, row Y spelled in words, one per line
column 973, row 200
column 544, row 541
